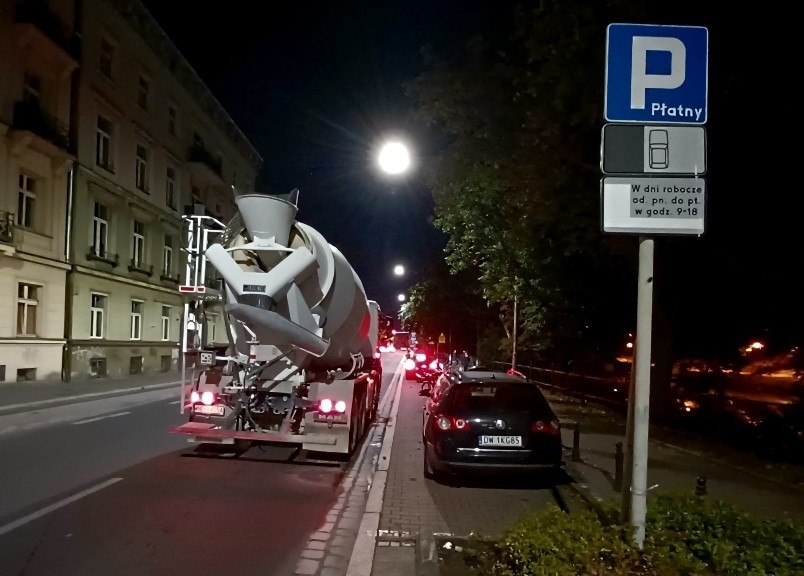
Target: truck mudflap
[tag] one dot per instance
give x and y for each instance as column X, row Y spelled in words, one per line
column 206, row 433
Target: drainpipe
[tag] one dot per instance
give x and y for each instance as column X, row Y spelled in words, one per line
column 66, row 364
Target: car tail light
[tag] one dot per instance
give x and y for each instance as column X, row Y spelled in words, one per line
column 325, row 406
column 409, row 364
column 434, row 365
column 421, row 357
column 207, row 398
column 195, row 397
column 446, row 423
column 551, row 427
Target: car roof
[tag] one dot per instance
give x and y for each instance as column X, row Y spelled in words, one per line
column 478, row 376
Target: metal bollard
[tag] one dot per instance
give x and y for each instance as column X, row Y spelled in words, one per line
column 576, row 443
column 618, row 466
column 700, row 486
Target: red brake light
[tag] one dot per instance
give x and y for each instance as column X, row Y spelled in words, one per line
column 325, row 406
column 340, row 406
column 207, row 398
column 409, row 364
column 421, row 357
column 552, row 427
column 445, row 423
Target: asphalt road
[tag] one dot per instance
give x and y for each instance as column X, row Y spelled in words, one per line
column 102, row 488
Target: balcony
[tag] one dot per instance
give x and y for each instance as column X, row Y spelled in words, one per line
column 168, row 276
column 38, row 15
column 6, row 227
column 29, row 117
column 208, row 167
column 103, row 256
column 141, row 267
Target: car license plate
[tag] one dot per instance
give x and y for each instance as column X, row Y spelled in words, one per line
column 500, row 440
column 208, row 410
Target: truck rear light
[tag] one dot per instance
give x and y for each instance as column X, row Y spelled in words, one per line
column 409, row 364
column 340, row 406
column 325, row 406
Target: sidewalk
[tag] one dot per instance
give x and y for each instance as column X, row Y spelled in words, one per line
column 676, row 461
column 24, row 396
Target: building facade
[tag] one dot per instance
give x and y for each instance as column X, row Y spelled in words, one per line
column 152, row 143
column 38, row 60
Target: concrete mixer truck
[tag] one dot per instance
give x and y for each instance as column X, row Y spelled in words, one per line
column 299, row 364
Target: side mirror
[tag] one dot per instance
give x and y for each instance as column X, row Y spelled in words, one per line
column 425, row 392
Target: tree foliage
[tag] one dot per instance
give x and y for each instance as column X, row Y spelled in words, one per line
column 516, row 186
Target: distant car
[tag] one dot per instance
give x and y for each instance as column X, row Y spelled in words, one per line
column 484, row 421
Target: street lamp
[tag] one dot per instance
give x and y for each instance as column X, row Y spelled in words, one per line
column 399, row 270
column 401, row 297
column 394, row 158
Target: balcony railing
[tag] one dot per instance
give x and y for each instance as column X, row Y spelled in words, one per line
column 38, row 13
column 6, row 227
column 168, row 276
column 199, row 153
column 141, row 267
column 29, row 116
column 103, row 256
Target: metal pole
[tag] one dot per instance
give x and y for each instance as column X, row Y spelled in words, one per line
column 642, row 390
column 625, row 508
column 513, row 356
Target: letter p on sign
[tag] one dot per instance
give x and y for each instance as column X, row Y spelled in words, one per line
column 641, row 80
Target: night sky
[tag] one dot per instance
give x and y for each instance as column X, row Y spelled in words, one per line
column 317, row 85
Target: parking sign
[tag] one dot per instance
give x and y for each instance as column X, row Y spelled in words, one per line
column 656, row 74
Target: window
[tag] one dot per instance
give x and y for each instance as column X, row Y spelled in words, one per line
column 100, row 229
column 26, row 201
column 211, row 321
column 27, row 302
column 136, row 319
column 103, row 143
column 173, row 120
column 32, row 90
column 106, row 60
column 143, row 93
column 138, row 244
column 142, row 168
column 170, row 187
column 167, row 256
column 165, row 322
column 97, row 309
column 196, row 194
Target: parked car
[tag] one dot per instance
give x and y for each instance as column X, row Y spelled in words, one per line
column 487, row 421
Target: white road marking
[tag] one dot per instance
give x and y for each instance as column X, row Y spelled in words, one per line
column 60, row 504
column 88, row 420
column 176, row 402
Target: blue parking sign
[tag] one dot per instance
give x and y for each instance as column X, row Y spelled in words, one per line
column 656, row 74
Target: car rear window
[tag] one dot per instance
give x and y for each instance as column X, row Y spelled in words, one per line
column 498, row 397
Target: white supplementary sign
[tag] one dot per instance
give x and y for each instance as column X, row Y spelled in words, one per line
column 654, row 205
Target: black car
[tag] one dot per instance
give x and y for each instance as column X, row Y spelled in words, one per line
column 488, row 421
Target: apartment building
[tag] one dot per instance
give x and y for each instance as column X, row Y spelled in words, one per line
column 152, row 143
column 38, row 59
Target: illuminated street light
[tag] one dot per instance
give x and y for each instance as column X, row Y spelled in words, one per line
column 401, row 297
column 399, row 270
column 394, row 158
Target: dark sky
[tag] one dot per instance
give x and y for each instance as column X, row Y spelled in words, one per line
column 316, row 86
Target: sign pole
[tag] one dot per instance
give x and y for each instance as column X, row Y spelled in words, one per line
column 641, row 419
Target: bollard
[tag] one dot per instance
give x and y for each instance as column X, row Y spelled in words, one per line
column 700, row 486
column 618, row 467
column 576, row 443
